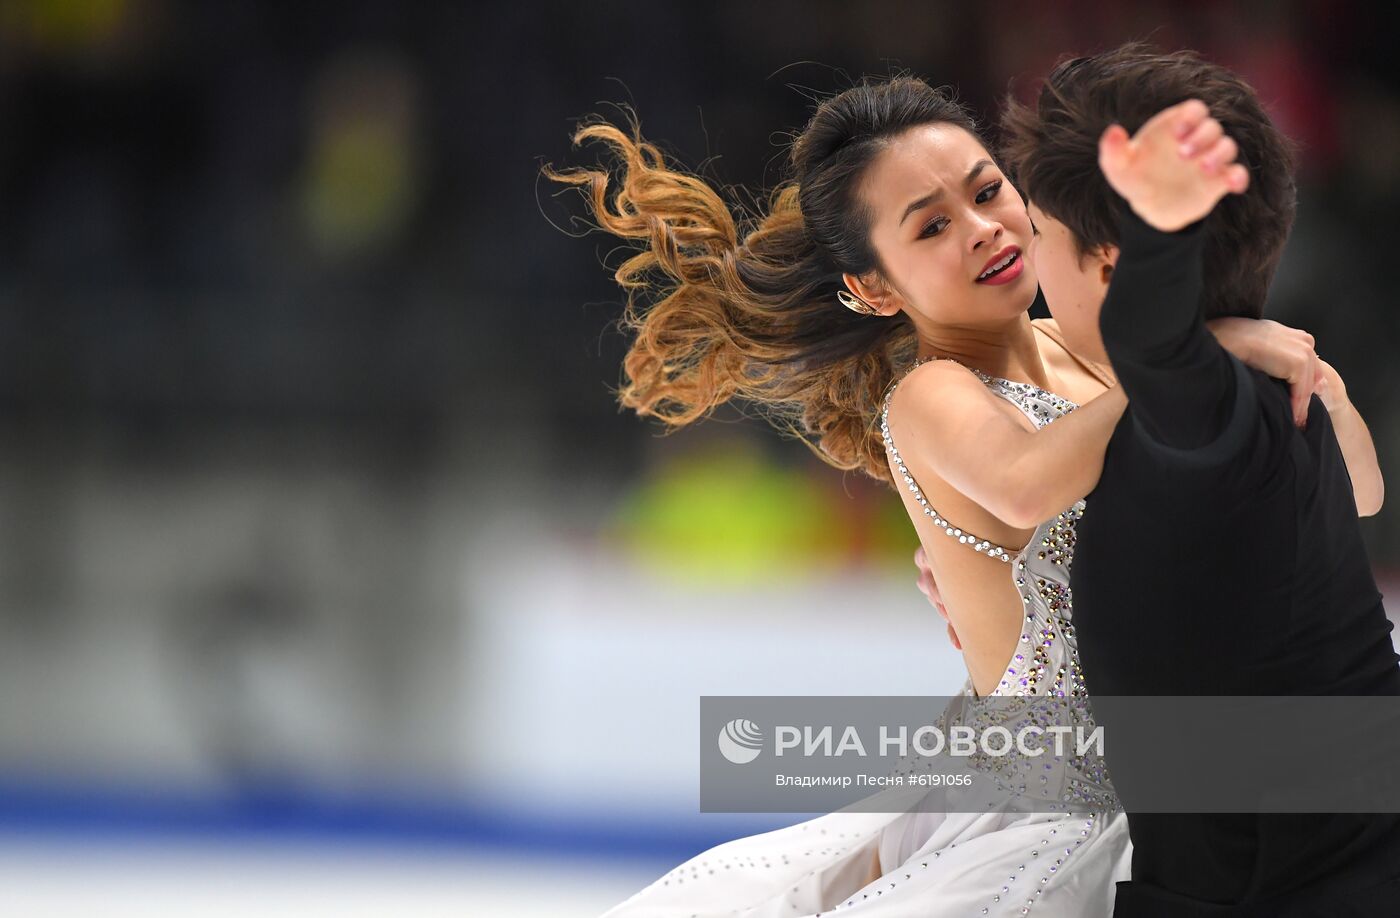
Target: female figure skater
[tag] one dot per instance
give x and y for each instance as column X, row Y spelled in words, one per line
column 898, row 242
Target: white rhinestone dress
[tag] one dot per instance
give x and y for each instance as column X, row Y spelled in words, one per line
column 1009, row 862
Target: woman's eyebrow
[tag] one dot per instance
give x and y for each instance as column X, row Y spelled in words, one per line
column 932, row 196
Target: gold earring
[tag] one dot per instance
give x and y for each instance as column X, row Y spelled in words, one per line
column 855, row 303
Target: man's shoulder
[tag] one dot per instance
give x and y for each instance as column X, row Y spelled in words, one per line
column 1141, row 475
column 1257, row 404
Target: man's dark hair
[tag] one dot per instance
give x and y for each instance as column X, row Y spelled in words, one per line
column 1052, row 150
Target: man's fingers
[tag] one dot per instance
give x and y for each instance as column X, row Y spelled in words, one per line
column 1220, row 154
column 930, row 588
column 1188, row 114
column 1180, row 119
column 1113, row 148
column 1236, row 178
column 1115, row 135
column 1202, row 137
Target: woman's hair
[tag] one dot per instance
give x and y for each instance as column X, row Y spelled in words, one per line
column 1052, row 150
column 724, row 307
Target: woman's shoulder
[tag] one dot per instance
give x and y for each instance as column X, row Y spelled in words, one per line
column 941, row 375
column 937, row 392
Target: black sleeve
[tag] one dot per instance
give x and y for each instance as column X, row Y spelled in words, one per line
column 1186, row 394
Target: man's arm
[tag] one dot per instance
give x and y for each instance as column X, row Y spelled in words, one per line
column 1180, row 382
column 1186, row 392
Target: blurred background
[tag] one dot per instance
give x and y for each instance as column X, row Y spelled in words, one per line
column 332, row 579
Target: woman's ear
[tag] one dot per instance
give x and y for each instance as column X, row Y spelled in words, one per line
column 871, row 288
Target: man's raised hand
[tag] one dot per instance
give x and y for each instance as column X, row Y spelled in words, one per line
column 1175, row 168
column 929, row 587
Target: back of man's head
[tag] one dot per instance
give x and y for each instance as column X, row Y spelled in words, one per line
column 1051, row 149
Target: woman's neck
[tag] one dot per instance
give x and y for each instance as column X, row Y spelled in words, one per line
column 1009, row 351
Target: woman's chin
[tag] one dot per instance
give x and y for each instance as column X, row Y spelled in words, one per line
column 1021, row 299
column 1019, row 293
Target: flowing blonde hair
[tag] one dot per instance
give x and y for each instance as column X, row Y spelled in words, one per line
column 723, row 308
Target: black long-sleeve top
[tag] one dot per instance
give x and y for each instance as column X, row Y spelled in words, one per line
column 1220, row 554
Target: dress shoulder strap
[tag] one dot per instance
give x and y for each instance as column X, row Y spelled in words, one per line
column 1097, row 370
column 991, row 549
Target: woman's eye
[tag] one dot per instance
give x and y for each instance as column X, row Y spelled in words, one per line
column 986, row 194
column 934, row 228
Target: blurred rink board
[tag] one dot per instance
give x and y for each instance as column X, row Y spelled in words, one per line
column 586, row 669
column 561, row 707
column 565, row 824
column 563, row 704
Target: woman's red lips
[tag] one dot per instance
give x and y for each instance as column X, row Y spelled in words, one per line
column 1007, row 265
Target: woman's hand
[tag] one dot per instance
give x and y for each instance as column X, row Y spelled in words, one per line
column 1354, row 437
column 1283, row 353
column 1287, row 353
column 929, row 587
column 1331, row 389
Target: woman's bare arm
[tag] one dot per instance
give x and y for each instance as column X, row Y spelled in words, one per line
column 1288, row 354
column 960, row 430
column 1358, row 449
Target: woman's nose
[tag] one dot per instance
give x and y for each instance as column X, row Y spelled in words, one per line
column 985, row 233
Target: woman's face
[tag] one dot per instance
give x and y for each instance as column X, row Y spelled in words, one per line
column 950, row 231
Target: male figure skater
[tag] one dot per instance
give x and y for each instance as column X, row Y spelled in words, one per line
column 1220, row 552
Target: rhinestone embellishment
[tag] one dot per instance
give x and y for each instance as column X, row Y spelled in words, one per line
column 1040, row 406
